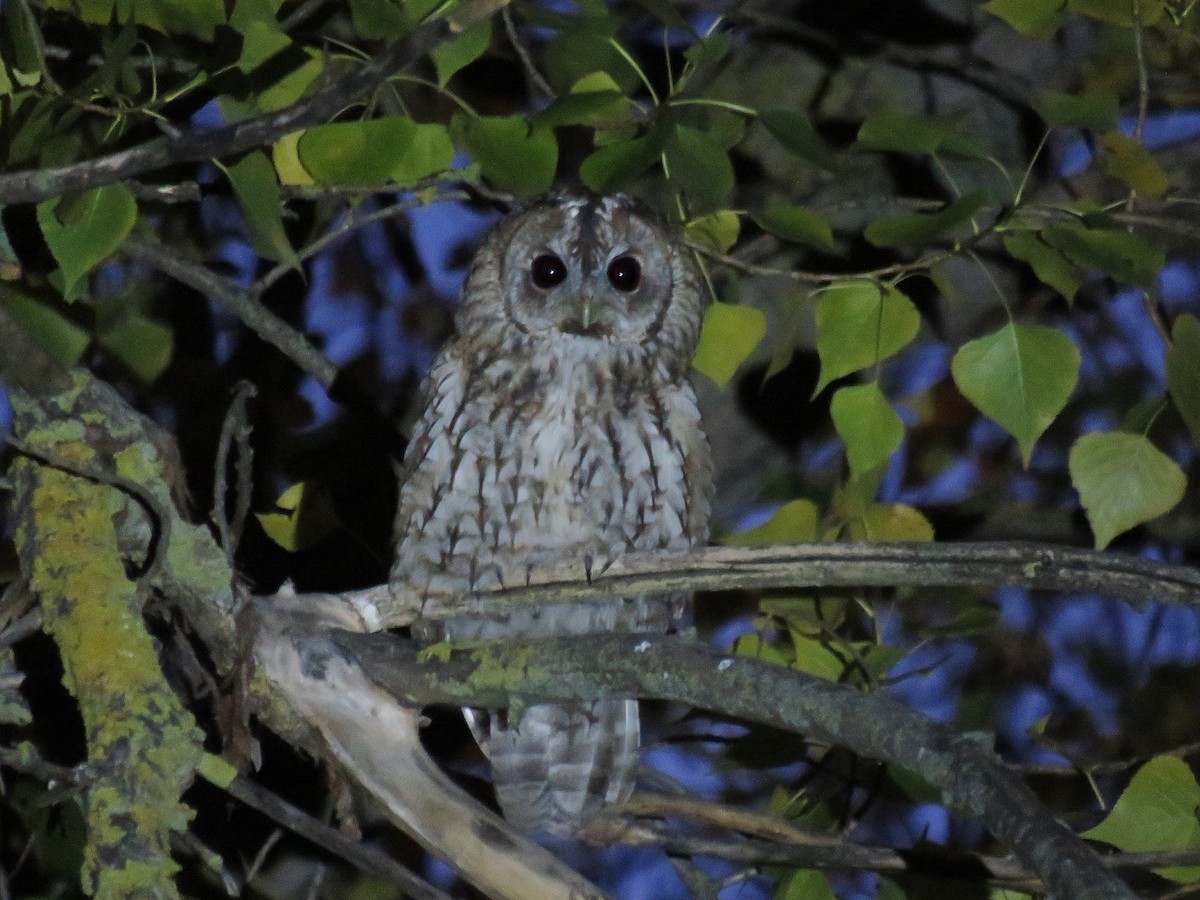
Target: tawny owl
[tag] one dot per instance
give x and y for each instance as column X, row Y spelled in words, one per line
column 559, row 425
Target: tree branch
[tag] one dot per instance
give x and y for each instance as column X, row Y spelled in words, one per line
column 249, row 311
column 358, row 854
column 35, row 185
column 970, row 776
column 824, row 565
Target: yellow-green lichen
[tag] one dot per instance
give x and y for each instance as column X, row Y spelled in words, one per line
column 143, row 746
column 502, row 668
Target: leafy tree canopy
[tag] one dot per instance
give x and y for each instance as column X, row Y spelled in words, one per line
column 952, row 253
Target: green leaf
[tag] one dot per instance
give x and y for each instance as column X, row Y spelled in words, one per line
column 303, row 515
column 376, row 151
column 1021, row 376
column 915, row 228
column 798, row 224
column 257, row 191
column 593, row 100
column 246, row 12
column 1123, row 480
column 817, row 658
column 1118, row 12
column 718, row 230
column 868, row 426
column 142, row 344
column 20, row 44
column 1156, row 812
column 615, row 167
column 216, row 770
column 709, row 50
column 1033, row 18
column 99, row 222
column 582, row 47
column 728, row 335
column 700, row 166
column 54, row 332
column 1126, row 159
column 389, row 19
column 280, row 70
column 890, row 522
column 461, row 50
column 1097, row 112
column 792, row 523
column 923, row 135
column 195, row 17
column 1183, row 371
column 797, row 135
column 859, row 325
column 198, row 18
column 511, row 154
column 1050, row 266
column 1124, row 256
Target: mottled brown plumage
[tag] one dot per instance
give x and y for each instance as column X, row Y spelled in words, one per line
column 559, row 425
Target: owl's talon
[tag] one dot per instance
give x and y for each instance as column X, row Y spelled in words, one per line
column 587, row 567
column 528, row 574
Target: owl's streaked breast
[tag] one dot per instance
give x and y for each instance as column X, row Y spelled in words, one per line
column 519, row 464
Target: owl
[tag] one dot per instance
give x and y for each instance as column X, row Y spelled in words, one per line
column 559, row 425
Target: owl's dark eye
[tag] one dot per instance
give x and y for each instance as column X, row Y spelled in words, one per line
column 625, row 273
column 547, row 271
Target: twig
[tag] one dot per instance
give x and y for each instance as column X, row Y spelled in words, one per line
column 347, row 226
column 235, row 428
column 268, row 326
column 1143, row 75
column 366, row 859
column 160, row 518
column 531, row 72
column 816, row 278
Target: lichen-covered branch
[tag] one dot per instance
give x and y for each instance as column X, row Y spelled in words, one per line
column 970, row 776
column 142, row 745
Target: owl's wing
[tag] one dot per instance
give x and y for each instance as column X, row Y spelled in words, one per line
column 683, row 421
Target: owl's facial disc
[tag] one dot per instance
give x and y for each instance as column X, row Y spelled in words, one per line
column 589, row 267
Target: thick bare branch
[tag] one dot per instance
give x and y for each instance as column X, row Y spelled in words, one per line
column 970, row 776
column 826, row 565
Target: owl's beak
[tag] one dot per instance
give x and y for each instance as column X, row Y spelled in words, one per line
column 588, row 321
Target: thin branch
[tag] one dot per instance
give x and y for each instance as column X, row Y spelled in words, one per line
column 268, row 326
column 349, row 224
column 235, row 429
column 531, row 71
column 1143, row 80
column 931, row 864
column 803, row 276
column 35, row 185
column 27, row 760
column 160, row 517
column 360, row 855
column 969, row 775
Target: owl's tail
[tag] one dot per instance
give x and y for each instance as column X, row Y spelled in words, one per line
column 558, row 764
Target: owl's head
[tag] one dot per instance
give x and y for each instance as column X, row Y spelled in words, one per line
column 586, row 268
